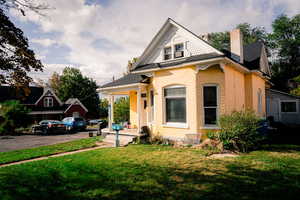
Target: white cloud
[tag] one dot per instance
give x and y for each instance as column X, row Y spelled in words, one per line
column 131, row 24
column 44, row 42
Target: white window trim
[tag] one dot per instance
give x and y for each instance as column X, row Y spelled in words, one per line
column 210, row 126
column 297, row 106
column 172, row 45
column 174, row 124
column 47, row 102
column 174, row 50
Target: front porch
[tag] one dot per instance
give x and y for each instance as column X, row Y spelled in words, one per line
column 137, row 94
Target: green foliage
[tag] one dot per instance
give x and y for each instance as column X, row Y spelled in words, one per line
column 12, row 115
column 72, row 84
column 103, row 108
column 16, row 59
column 221, row 40
column 121, row 110
column 285, row 42
column 239, row 131
column 213, row 135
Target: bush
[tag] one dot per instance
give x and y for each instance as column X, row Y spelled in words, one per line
column 12, row 115
column 239, row 131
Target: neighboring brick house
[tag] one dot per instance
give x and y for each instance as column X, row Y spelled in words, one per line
column 43, row 103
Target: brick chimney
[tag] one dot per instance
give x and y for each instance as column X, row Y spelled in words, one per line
column 236, row 44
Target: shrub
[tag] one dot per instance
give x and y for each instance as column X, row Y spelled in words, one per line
column 12, row 115
column 239, row 131
column 213, row 135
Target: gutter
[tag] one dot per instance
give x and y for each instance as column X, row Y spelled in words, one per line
column 178, row 66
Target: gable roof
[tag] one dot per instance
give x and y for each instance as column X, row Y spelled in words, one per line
column 74, row 101
column 170, row 22
column 12, row 93
column 46, row 92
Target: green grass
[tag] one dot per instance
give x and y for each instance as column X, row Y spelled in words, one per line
column 156, row 172
column 25, row 154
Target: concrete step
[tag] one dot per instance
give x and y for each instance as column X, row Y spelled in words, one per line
column 124, row 139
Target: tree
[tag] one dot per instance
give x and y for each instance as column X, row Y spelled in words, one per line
column 103, row 108
column 221, row 40
column 16, row 59
column 74, row 85
column 285, row 42
column 12, row 115
column 54, row 82
column 121, row 110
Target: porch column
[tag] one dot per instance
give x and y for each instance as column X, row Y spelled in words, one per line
column 111, row 112
column 139, row 109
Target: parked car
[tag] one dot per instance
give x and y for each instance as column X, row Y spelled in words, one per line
column 48, row 127
column 74, row 123
column 94, row 121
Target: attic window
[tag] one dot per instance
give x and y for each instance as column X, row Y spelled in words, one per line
column 178, row 53
column 167, row 53
column 48, row 102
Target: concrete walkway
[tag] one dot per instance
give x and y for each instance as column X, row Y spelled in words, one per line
column 100, row 145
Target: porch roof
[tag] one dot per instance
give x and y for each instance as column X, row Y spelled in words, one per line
column 128, row 79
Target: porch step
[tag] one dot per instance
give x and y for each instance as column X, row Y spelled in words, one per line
column 124, row 139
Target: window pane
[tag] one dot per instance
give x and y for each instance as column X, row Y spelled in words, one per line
column 168, row 50
column 175, row 91
column 288, row 107
column 176, row 110
column 151, row 98
column 210, row 96
column 179, row 47
column 210, row 115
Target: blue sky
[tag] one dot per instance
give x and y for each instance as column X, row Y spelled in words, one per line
column 100, row 36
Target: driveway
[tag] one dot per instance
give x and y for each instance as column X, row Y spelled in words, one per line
column 10, row 143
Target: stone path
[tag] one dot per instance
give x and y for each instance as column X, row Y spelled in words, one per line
column 99, row 146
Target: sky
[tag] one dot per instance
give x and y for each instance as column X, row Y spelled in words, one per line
column 100, row 36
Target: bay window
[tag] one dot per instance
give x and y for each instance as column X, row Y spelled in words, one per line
column 167, row 53
column 178, row 50
column 175, row 104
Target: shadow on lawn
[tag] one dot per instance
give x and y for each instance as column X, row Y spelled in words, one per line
column 133, row 181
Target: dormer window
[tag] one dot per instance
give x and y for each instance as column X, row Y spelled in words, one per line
column 48, row 102
column 178, row 50
column 167, row 53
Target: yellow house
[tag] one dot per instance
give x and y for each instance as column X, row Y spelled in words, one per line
column 181, row 85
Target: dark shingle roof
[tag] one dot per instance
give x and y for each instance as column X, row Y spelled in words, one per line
column 177, row 62
column 126, row 80
column 11, row 93
column 252, row 53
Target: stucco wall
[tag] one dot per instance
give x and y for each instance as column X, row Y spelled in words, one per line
column 182, row 76
column 213, row 75
column 133, row 108
column 234, row 89
column 253, row 84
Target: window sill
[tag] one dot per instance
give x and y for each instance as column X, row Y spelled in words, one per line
column 212, row 127
column 176, row 125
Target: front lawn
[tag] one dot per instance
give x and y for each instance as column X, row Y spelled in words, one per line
column 156, row 172
column 25, row 154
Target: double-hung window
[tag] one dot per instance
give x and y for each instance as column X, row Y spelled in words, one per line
column 167, row 53
column 210, row 103
column 48, row 102
column 178, row 50
column 152, row 105
column 175, row 104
